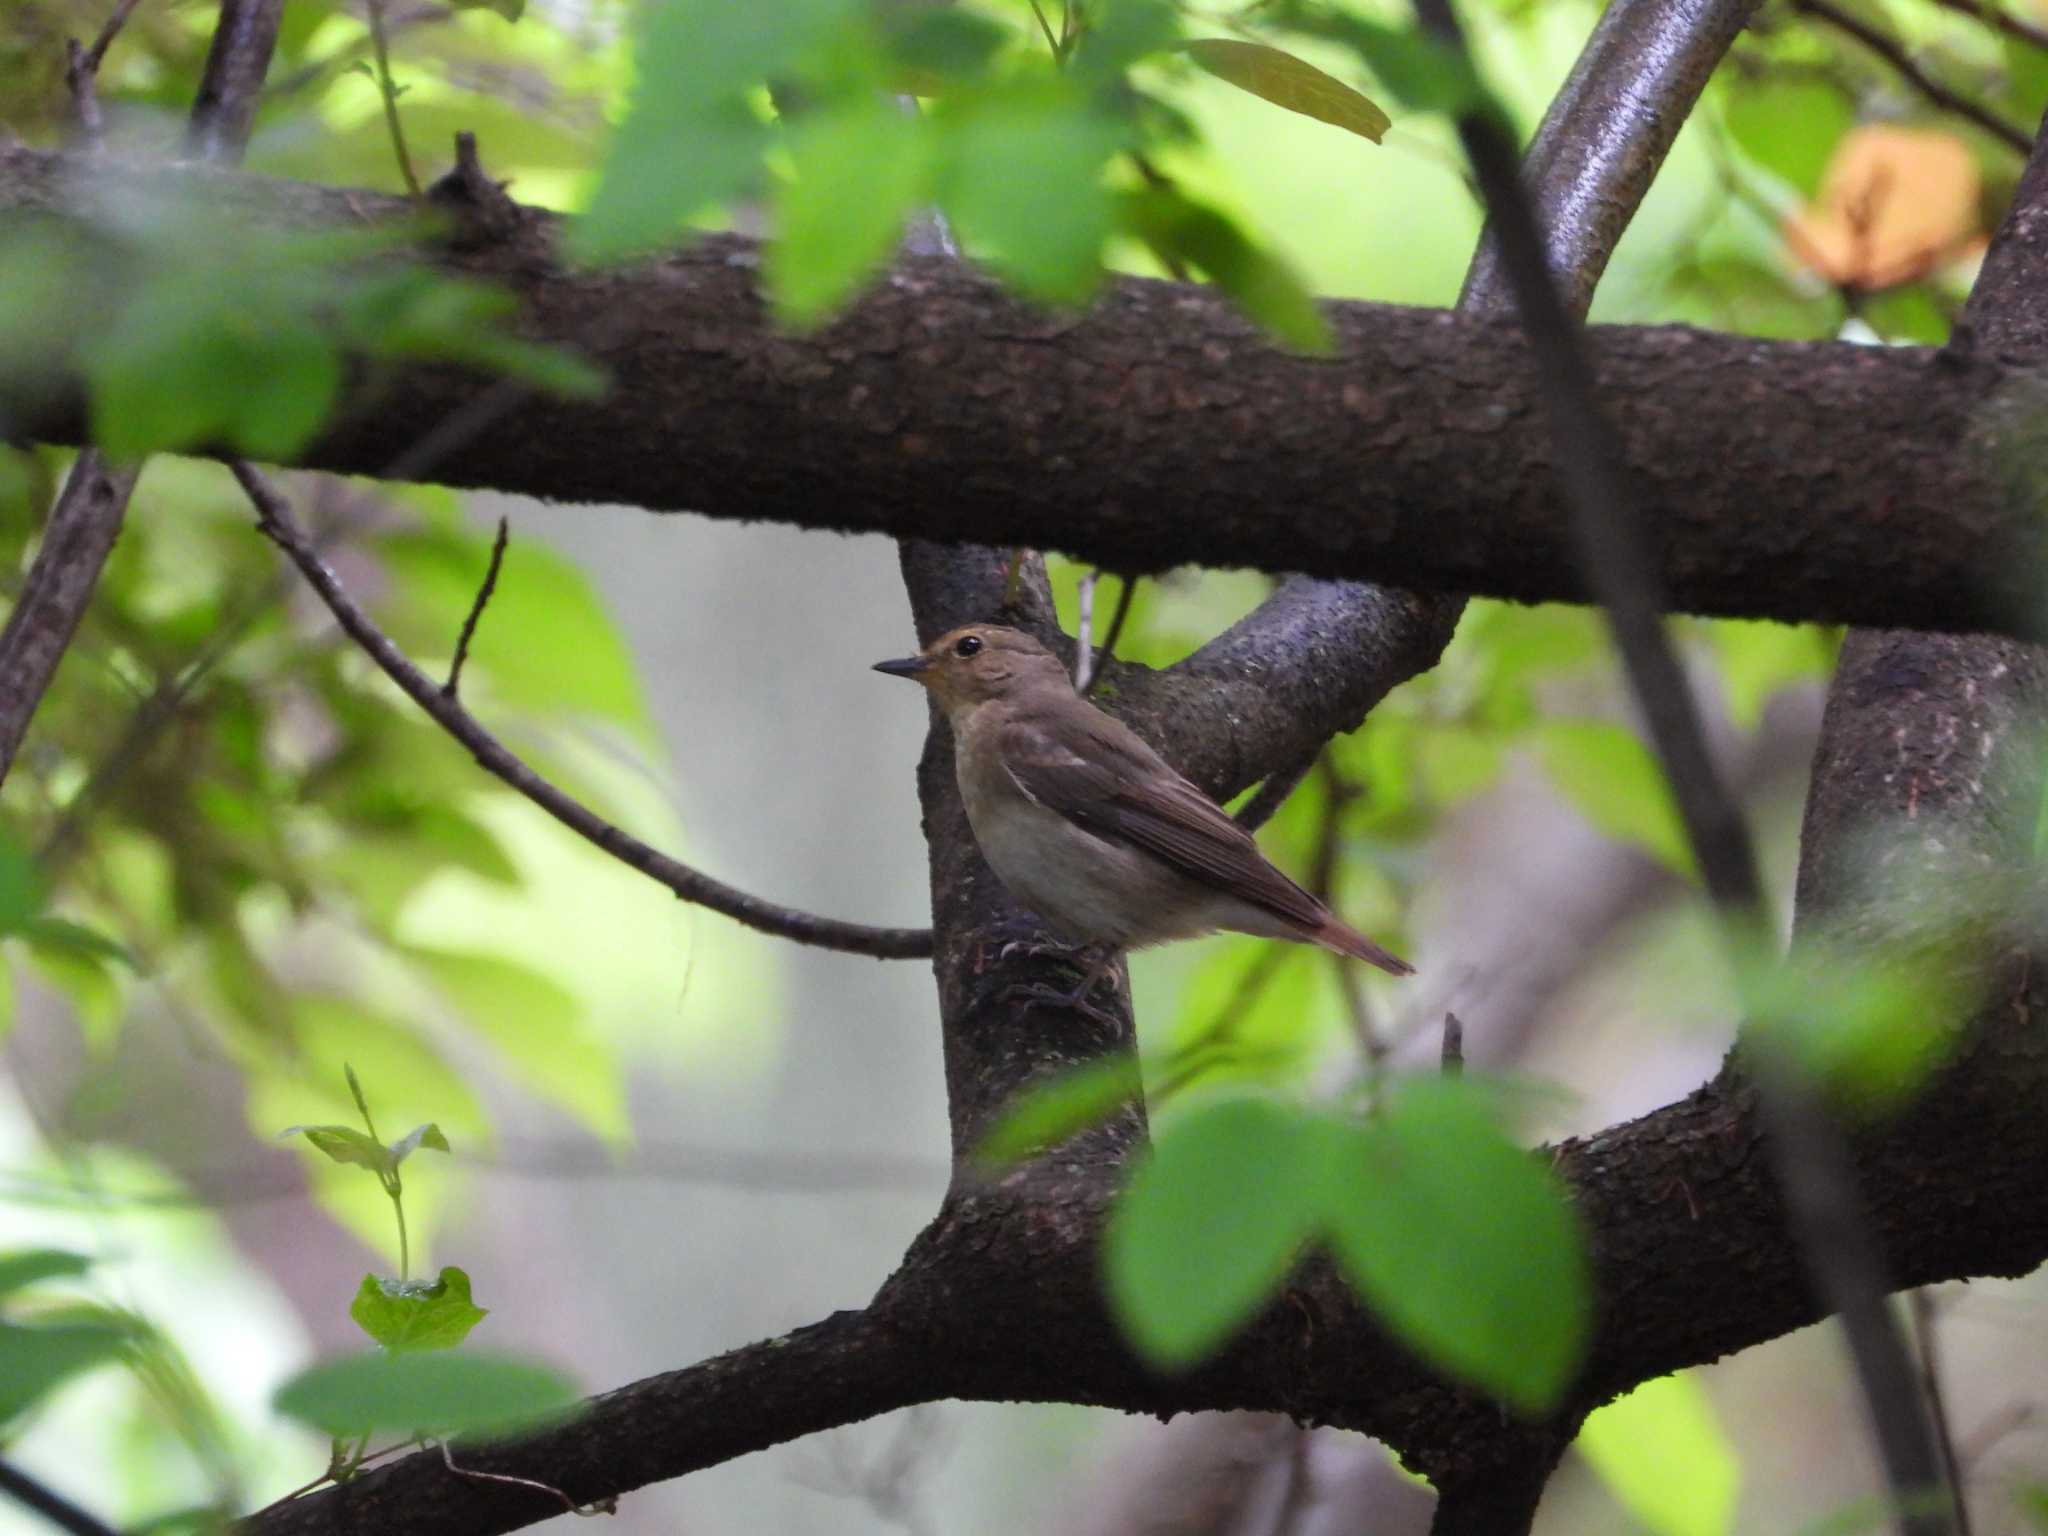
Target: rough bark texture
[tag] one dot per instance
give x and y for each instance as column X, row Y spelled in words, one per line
column 1790, row 480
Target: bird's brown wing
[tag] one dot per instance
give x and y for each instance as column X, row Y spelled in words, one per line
column 1112, row 784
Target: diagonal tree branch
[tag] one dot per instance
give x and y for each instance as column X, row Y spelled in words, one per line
column 849, row 1367
column 1262, row 698
column 447, row 711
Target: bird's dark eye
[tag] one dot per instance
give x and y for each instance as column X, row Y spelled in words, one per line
column 967, row 645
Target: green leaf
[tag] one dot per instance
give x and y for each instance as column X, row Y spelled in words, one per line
column 1049, row 1112
column 21, row 887
column 417, row 1314
column 1422, row 72
column 1462, row 1242
column 511, row 10
column 345, row 1144
column 2031, row 1500
column 1281, row 78
column 1868, row 1028
column 59, row 933
column 29, row 1266
column 1789, row 124
column 859, row 172
column 1021, row 179
column 1760, row 659
column 1615, row 782
column 691, row 137
column 428, row 1136
column 538, row 1028
column 34, row 1361
column 934, row 48
column 1266, row 288
column 1208, row 1226
column 303, row 374
column 1662, row 1454
column 436, row 1392
column 1118, row 34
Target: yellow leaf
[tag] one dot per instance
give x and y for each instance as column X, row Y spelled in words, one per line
column 1289, row 82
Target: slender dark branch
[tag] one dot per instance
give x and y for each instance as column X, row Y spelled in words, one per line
column 1997, row 16
column 1928, row 1350
column 109, row 32
column 1889, row 49
column 33, row 1494
column 476, row 609
column 1113, row 634
column 1812, row 1161
column 1273, row 793
column 380, row 47
column 81, row 78
column 277, row 523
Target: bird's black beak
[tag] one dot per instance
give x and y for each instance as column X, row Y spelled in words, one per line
column 905, row 666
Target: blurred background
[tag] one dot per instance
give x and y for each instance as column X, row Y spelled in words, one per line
column 671, row 1136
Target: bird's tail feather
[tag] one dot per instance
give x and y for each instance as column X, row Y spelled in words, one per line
column 1348, row 941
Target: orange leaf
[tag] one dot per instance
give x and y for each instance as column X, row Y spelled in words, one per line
column 1894, row 205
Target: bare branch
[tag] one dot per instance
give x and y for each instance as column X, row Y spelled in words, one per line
column 849, row 1367
column 231, row 88
column 476, row 609
column 38, row 1497
column 1995, row 15
column 76, row 542
column 1889, row 49
column 277, row 522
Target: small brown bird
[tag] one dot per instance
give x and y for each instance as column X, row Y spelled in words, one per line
column 1088, row 826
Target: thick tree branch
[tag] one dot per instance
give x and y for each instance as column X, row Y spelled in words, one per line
column 447, row 711
column 1159, row 428
column 851, row 1366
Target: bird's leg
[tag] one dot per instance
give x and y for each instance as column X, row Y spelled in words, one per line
column 1102, row 958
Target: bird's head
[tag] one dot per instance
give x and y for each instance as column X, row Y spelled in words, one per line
column 980, row 662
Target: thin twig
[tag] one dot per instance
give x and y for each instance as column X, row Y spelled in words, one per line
column 1114, row 633
column 109, row 32
column 1922, row 1305
column 33, row 1494
column 1809, row 1155
column 1272, row 794
column 1998, row 17
column 1893, row 53
column 1084, row 632
column 569, row 1506
column 380, row 47
column 81, row 78
column 277, row 523
column 476, row 609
